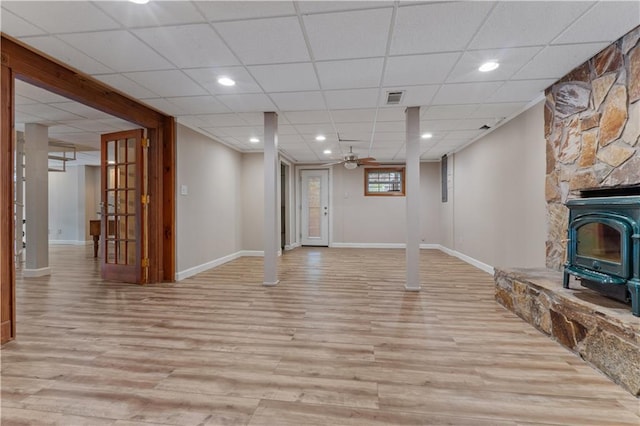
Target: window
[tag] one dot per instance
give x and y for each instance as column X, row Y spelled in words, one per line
column 386, row 182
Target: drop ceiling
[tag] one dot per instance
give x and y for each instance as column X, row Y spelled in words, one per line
column 324, row 66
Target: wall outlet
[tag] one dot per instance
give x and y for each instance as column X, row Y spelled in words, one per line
column 184, row 190
column 59, row 231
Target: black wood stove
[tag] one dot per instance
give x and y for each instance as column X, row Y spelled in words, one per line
column 604, row 244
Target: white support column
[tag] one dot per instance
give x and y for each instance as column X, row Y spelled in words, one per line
column 36, row 149
column 271, row 234
column 412, row 184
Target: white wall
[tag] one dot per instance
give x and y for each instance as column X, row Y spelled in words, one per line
column 72, row 203
column 358, row 219
column 209, row 217
column 253, row 201
column 499, row 203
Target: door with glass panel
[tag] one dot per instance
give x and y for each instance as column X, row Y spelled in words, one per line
column 123, row 206
column 315, row 207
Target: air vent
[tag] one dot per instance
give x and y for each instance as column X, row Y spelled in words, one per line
column 485, row 127
column 394, row 98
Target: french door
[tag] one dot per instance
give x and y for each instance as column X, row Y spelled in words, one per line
column 315, row 207
column 124, row 201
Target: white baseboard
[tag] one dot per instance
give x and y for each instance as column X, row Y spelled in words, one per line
column 217, row 262
column 70, row 243
column 288, row 247
column 33, row 273
column 259, row 253
column 367, row 245
column 470, row 260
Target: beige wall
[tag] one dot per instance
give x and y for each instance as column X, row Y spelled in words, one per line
column 381, row 220
column 253, row 201
column 209, row 218
column 499, row 202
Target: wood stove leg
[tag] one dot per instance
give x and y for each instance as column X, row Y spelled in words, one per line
column 565, row 280
column 634, row 290
column 96, row 243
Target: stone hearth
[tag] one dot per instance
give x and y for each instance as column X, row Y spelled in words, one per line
column 601, row 330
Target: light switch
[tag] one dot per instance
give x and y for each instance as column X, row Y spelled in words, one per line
column 184, row 190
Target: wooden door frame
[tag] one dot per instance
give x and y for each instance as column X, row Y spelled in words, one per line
column 29, row 65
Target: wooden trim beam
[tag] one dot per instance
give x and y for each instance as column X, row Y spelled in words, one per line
column 7, row 229
column 45, row 72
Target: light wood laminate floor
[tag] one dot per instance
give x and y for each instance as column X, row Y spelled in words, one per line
column 337, row 342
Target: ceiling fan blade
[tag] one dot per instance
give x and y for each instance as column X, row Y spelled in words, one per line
column 333, row 164
column 369, row 163
column 350, row 140
column 367, row 159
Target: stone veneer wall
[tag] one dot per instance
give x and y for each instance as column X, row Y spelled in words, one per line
column 592, row 126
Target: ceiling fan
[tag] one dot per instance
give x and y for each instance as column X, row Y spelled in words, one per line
column 351, row 161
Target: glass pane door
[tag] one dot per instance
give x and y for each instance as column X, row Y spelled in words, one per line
column 122, row 202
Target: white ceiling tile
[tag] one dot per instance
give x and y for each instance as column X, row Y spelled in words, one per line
column 452, row 124
column 290, row 139
column 419, row 69
column 366, row 32
column 23, row 117
column 390, row 137
column 520, row 91
column 21, row 100
column 313, row 6
column 265, row 41
column 224, row 119
column 313, row 130
column 611, row 18
column 198, row 104
column 247, row 102
column 125, row 52
column 237, row 10
column 354, row 128
column 465, row 93
column 208, row 78
column 120, row 124
column 461, row 135
column 167, row 83
column 154, row 13
column 285, row 77
column 357, row 98
column 193, row 121
column 257, row 118
column 298, row 101
column 557, row 61
column 93, row 126
column 510, row 60
column 526, row 23
column 413, row 95
column 62, row 16
column 46, row 111
column 350, row 74
column 80, row 109
column 391, row 113
column 506, row 109
column 436, row 27
column 285, row 129
column 307, row 117
column 16, row 26
column 32, row 92
column 163, row 105
column 448, row 111
column 353, row 115
column 391, row 126
column 58, row 49
column 125, row 85
column 244, row 133
column 63, row 129
column 205, row 47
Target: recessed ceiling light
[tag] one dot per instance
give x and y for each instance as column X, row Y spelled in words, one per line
column 327, row 151
column 226, row 81
column 427, row 136
column 254, row 140
column 320, row 138
column 139, row 1
column 488, row 66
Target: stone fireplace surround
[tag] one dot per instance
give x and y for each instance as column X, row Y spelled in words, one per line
column 592, row 131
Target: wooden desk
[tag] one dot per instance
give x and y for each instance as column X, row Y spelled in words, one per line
column 95, row 227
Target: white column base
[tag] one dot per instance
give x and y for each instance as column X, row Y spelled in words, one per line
column 408, row 288
column 266, row 284
column 33, row 273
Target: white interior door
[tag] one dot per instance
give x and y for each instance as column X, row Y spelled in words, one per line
column 315, row 207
